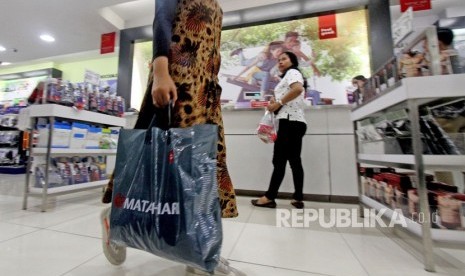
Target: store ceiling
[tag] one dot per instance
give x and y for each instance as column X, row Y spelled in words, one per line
column 77, row 25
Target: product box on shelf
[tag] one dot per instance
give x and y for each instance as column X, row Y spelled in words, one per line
column 449, row 206
column 93, row 138
column 105, row 140
column 385, row 146
column 54, row 177
column 71, row 171
column 78, row 137
column 60, row 137
column 114, row 135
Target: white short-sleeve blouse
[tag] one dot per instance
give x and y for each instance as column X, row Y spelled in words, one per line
column 292, row 110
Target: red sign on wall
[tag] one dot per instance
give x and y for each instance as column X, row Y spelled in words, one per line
column 327, row 26
column 417, row 5
column 107, row 43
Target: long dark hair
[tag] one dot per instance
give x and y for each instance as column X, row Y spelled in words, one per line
column 295, row 65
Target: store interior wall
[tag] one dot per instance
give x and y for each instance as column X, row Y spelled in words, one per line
column 73, row 71
column 420, row 22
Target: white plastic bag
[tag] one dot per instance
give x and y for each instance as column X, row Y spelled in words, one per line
column 267, row 129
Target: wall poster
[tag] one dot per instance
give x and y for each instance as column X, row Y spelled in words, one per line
column 249, row 73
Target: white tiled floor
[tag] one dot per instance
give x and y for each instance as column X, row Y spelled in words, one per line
column 65, row 241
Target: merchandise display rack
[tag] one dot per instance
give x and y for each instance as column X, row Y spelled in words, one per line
column 20, row 167
column 52, row 112
column 411, row 94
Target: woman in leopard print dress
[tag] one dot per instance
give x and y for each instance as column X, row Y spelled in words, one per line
column 186, row 42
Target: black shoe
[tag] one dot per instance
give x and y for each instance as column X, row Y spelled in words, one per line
column 270, row 204
column 236, row 52
column 297, row 204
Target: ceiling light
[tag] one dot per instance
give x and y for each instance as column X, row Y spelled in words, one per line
column 2, row 49
column 47, row 38
column 3, row 63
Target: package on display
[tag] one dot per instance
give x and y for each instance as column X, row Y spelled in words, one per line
column 93, row 137
column 71, row 170
column 10, row 138
column 83, row 97
column 60, row 136
column 396, row 191
column 77, row 136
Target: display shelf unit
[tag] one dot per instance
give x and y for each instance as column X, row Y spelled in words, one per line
column 19, row 167
column 65, row 112
column 33, row 191
column 431, row 162
column 411, row 94
column 441, row 235
column 421, row 89
column 52, row 112
column 73, row 152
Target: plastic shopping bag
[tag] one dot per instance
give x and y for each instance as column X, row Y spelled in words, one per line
column 267, row 129
column 165, row 196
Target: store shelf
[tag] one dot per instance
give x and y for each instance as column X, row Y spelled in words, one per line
column 70, row 114
column 433, row 162
column 424, row 88
column 441, row 235
column 68, row 189
column 73, row 152
column 55, row 110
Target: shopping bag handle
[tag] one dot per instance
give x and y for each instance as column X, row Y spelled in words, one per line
column 168, row 109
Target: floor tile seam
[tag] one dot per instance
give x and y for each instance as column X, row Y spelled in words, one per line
column 283, row 268
column 331, row 230
column 67, row 202
column 83, row 263
column 448, row 258
column 46, row 227
column 23, row 225
column 20, row 236
column 240, row 235
column 72, row 234
column 402, row 244
column 54, row 225
column 37, row 229
column 72, row 199
column 355, row 255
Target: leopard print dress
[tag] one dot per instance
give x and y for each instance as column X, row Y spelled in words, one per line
column 194, row 62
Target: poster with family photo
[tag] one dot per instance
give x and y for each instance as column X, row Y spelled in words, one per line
column 248, row 70
column 249, row 57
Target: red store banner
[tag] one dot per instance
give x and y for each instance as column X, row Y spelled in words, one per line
column 107, row 43
column 327, row 26
column 417, row 5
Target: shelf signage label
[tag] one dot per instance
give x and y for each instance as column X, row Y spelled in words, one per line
column 327, row 27
column 403, row 26
column 91, row 77
column 417, row 5
column 107, row 43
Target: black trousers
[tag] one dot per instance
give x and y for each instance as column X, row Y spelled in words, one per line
column 288, row 147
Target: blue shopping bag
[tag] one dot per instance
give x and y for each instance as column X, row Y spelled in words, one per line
column 165, row 195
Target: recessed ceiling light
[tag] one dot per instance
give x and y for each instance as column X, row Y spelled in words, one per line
column 3, row 63
column 2, row 48
column 47, row 38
